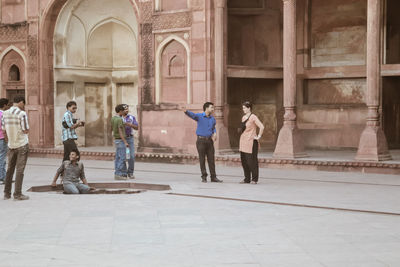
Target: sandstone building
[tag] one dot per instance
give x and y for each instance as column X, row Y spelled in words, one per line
column 322, row 74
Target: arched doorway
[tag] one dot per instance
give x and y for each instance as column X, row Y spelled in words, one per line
column 13, row 75
column 95, row 64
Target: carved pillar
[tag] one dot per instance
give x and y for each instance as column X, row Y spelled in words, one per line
column 219, row 70
column 373, row 144
column 290, row 143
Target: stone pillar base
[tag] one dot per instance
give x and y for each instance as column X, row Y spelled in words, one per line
column 222, row 144
column 289, row 145
column 373, row 145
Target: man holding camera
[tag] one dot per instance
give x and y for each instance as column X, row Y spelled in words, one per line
column 69, row 124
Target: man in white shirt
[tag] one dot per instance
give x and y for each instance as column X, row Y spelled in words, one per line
column 15, row 126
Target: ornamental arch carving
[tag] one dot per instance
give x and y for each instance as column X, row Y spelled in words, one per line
column 173, row 83
column 12, row 78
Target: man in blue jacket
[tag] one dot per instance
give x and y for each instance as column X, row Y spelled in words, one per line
column 206, row 136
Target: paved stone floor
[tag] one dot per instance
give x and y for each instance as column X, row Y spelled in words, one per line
column 159, row 229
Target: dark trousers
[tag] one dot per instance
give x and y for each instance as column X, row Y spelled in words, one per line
column 16, row 161
column 250, row 164
column 69, row 145
column 205, row 147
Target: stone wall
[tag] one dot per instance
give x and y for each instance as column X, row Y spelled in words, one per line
column 338, row 32
column 255, row 33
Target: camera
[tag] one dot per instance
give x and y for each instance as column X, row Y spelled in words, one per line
column 65, row 125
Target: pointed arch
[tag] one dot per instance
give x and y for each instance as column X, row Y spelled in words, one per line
column 16, row 49
column 160, row 49
column 20, row 53
column 112, row 19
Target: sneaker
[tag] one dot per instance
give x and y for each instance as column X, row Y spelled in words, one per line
column 21, row 197
column 6, row 196
column 216, row 180
column 131, row 176
column 120, row 177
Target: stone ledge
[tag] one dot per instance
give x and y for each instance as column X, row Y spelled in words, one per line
column 305, row 164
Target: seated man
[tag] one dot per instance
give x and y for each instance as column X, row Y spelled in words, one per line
column 73, row 173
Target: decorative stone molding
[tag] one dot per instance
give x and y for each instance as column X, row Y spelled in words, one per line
column 159, row 38
column 173, row 20
column 13, row 32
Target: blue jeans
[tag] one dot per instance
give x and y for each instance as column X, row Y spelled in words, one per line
column 3, row 154
column 120, row 158
column 75, row 188
column 131, row 161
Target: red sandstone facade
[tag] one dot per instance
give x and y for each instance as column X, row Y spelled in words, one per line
column 321, row 74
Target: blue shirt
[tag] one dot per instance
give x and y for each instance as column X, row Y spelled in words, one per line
column 205, row 125
column 68, row 133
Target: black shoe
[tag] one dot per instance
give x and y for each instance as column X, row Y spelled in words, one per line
column 6, row 196
column 244, row 182
column 216, row 180
column 204, row 180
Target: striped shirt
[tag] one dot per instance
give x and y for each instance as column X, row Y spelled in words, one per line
column 14, row 122
column 68, row 133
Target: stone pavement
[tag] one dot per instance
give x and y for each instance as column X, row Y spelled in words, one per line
column 159, row 229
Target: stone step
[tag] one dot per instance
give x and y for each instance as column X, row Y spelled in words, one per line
column 313, row 164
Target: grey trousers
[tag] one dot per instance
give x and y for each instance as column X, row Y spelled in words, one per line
column 16, row 161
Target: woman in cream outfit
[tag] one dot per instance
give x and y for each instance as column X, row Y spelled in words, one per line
column 249, row 144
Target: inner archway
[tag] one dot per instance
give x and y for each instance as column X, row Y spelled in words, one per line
column 95, row 64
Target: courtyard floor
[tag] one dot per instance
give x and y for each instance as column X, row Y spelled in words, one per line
column 291, row 218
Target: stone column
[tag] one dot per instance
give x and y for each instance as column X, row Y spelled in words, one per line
column 373, row 144
column 219, row 77
column 290, row 143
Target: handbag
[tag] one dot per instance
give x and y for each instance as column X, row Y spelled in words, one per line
column 243, row 127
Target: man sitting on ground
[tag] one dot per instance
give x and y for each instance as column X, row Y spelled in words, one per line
column 73, row 172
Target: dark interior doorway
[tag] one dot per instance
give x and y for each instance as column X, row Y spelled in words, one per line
column 392, row 32
column 266, row 95
column 391, row 111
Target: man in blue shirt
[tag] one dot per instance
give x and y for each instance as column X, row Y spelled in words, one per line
column 206, row 136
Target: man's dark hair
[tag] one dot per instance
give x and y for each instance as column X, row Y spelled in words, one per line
column 71, row 103
column 120, row 107
column 206, row 105
column 76, row 152
column 18, row 99
column 248, row 104
column 3, row 102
